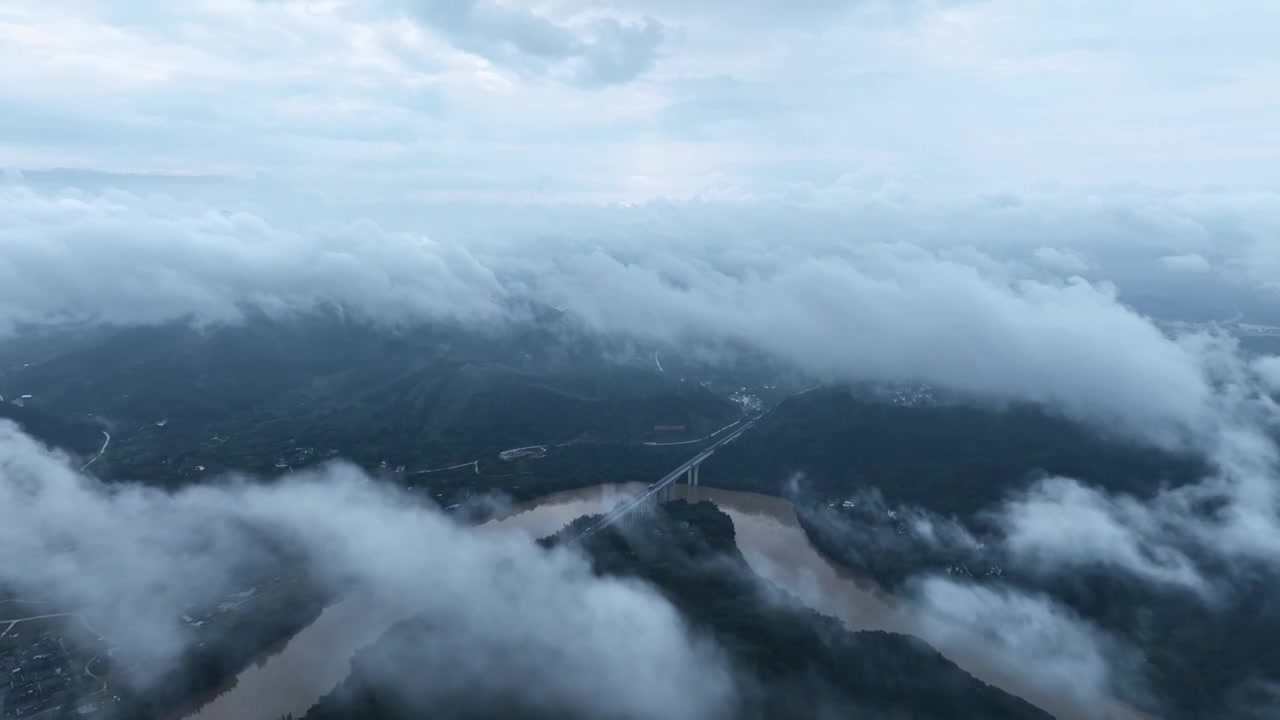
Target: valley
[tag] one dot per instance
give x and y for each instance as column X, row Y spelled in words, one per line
column 518, row 436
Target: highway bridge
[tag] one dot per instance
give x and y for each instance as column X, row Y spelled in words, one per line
column 662, row 490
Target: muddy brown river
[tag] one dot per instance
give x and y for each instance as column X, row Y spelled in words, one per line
column 315, row 660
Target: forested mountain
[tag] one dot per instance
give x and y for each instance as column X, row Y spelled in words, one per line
column 952, row 458
column 898, row 462
column 183, row 404
column 267, row 395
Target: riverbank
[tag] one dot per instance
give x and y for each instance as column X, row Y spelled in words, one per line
column 769, row 536
column 774, row 658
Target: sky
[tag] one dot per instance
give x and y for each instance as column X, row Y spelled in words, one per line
column 1122, row 142
column 627, row 101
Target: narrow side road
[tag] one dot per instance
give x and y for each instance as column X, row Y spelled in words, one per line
column 105, row 443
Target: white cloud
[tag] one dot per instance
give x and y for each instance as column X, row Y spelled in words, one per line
column 1268, row 369
column 1061, row 260
column 843, row 281
column 119, row 258
column 901, row 313
column 503, row 95
column 1259, row 262
column 1061, row 523
column 955, row 317
column 1004, row 632
column 130, row 558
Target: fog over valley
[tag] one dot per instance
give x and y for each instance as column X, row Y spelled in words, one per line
column 485, row 359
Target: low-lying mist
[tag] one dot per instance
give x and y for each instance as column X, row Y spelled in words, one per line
column 525, row 622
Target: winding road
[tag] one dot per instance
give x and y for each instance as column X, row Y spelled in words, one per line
column 106, row 441
column 473, row 463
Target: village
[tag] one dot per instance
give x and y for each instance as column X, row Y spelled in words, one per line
column 48, row 666
column 57, row 664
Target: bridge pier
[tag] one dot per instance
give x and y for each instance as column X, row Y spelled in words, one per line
column 691, row 476
column 646, row 502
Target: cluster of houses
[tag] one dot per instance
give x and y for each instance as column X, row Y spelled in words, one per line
column 1255, row 329
column 901, row 527
column 993, row 571
column 750, row 403
column 35, row 679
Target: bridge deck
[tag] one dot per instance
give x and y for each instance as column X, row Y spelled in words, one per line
column 640, row 498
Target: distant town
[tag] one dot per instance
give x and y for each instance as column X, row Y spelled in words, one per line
column 50, row 662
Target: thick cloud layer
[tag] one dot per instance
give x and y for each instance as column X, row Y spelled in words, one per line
column 895, row 312
column 1005, row 299
column 891, row 271
column 1064, row 662
column 1061, row 522
column 118, row 258
column 534, row 623
column 818, row 288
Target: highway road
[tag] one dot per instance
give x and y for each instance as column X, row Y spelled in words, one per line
column 643, row 496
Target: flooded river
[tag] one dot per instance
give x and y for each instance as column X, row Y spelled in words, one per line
column 315, row 660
